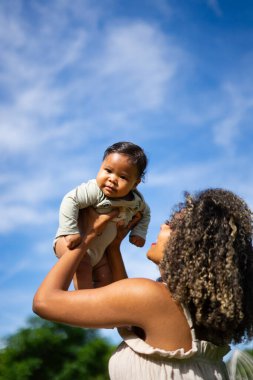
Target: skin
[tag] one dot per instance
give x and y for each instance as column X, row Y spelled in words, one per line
column 116, row 177
column 133, row 302
column 155, row 252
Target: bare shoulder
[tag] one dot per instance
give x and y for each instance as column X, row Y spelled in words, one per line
column 144, row 295
column 159, row 315
column 132, row 301
column 142, row 286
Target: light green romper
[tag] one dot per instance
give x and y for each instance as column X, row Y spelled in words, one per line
column 89, row 194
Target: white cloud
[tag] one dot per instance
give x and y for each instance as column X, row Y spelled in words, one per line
column 38, row 258
column 27, row 200
column 234, row 173
column 23, row 217
column 139, row 63
column 51, row 76
column 18, row 267
column 215, row 6
column 118, row 73
column 231, row 124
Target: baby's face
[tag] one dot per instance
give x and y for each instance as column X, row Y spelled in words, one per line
column 117, row 176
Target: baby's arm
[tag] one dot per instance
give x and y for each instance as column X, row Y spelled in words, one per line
column 139, row 232
column 79, row 198
column 137, row 240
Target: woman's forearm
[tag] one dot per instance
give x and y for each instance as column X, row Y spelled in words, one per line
column 58, row 279
column 116, row 263
column 53, row 289
column 113, row 250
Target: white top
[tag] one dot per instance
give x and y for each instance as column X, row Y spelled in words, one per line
column 134, row 359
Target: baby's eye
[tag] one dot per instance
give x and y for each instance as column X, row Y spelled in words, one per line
column 124, row 177
column 108, row 170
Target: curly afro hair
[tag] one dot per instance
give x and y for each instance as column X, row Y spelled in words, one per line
column 208, row 264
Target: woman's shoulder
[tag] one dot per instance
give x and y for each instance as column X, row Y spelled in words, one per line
column 158, row 314
column 147, row 292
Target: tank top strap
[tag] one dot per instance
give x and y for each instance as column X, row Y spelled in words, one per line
column 189, row 320
column 186, row 313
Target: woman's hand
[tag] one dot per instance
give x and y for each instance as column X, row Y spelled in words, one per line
column 123, row 230
column 92, row 224
column 73, row 241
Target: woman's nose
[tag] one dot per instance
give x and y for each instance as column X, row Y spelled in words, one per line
column 165, row 230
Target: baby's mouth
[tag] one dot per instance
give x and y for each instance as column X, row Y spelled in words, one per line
column 110, row 188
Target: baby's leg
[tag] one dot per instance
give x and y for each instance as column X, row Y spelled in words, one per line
column 102, row 274
column 83, row 277
column 60, row 247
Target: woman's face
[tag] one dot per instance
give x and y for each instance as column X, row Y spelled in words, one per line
column 155, row 252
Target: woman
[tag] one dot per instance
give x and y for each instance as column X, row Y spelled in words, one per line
column 183, row 323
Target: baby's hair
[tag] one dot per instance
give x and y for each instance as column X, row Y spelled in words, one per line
column 134, row 152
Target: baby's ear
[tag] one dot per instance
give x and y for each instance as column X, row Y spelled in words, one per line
column 137, row 182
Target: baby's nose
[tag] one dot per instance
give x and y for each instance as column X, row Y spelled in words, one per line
column 113, row 178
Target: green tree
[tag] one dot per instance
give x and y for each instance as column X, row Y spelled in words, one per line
column 46, row 350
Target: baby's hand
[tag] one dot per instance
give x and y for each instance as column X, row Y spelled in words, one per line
column 73, row 240
column 137, row 240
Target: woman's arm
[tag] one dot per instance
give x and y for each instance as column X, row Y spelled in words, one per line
column 116, row 263
column 113, row 251
column 61, row 275
column 124, row 302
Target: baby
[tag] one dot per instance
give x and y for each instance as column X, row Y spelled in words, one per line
column 122, row 169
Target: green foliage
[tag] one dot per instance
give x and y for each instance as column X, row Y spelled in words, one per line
column 240, row 366
column 46, row 350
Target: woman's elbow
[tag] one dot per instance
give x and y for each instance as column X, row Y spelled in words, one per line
column 39, row 306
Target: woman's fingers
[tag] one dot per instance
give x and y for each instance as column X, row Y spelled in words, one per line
column 99, row 221
column 123, row 230
column 137, row 217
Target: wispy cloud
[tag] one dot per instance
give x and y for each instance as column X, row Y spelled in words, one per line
column 215, row 6
column 55, row 83
column 231, row 124
column 139, row 63
column 128, row 72
column 227, row 173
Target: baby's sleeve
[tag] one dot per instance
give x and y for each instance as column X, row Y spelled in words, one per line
column 83, row 196
column 141, row 228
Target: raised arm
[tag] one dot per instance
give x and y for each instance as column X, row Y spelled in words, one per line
column 58, row 280
column 125, row 302
column 113, row 250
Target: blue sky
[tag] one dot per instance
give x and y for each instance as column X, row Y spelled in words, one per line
column 76, row 76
